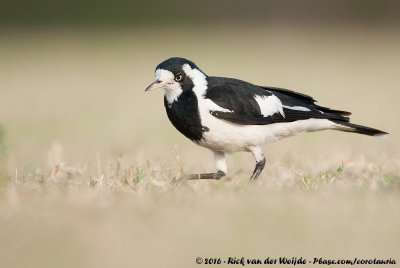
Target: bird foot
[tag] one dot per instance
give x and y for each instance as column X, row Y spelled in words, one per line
column 259, row 167
column 204, row 176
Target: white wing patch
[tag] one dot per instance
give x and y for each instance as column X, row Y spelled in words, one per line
column 212, row 106
column 269, row 105
column 297, row 108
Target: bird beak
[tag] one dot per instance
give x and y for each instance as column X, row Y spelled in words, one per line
column 155, row 84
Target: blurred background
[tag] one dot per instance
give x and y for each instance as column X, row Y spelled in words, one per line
column 189, row 13
column 73, row 72
column 72, row 80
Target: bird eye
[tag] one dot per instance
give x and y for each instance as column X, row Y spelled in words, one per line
column 178, row 78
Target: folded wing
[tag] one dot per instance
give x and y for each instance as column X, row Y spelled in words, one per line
column 253, row 105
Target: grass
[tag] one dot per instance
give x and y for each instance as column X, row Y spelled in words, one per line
column 73, row 220
column 87, row 157
column 313, row 182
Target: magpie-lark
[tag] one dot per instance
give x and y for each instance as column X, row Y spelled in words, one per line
column 228, row 115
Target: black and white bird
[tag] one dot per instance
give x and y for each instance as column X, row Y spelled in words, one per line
column 228, row 115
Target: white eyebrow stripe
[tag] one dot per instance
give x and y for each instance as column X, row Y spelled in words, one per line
column 164, row 75
column 269, row 105
column 297, row 108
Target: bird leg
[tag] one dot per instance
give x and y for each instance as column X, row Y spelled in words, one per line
column 260, row 161
column 259, row 167
column 220, row 164
column 206, row 176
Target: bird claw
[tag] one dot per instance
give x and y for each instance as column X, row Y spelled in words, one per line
column 177, row 180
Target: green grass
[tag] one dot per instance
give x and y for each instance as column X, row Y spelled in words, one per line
column 309, row 181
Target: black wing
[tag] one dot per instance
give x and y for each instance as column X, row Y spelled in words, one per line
column 239, row 97
column 306, row 99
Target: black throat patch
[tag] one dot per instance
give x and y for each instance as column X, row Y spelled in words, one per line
column 184, row 115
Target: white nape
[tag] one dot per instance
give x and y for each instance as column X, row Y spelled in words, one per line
column 198, row 78
column 200, row 83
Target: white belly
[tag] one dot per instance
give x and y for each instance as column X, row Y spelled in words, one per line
column 228, row 137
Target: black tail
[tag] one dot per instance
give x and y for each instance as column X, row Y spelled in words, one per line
column 350, row 127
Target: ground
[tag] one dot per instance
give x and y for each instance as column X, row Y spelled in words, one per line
column 87, row 156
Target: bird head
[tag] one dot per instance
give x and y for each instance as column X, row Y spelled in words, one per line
column 176, row 75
